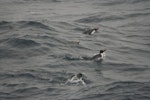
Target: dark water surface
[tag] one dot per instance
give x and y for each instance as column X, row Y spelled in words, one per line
column 37, row 52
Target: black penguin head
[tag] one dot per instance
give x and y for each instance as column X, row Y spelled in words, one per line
column 79, row 75
column 101, row 51
column 96, row 29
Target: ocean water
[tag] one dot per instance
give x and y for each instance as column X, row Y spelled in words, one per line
column 38, row 52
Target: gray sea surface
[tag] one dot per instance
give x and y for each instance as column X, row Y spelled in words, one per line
column 38, row 52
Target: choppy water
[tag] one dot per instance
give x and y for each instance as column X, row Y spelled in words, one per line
column 37, row 54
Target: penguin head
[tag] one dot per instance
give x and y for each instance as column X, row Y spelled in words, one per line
column 101, row 51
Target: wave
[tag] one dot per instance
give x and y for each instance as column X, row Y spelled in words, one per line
column 119, row 2
column 22, row 53
column 136, row 69
column 138, row 1
column 5, row 53
column 34, row 24
column 27, row 90
column 136, row 15
column 22, row 43
column 22, row 76
column 111, row 3
column 99, row 18
column 9, row 75
column 126, row 86
column 137, row 50
column 32, row 1
column 20, row 93
column 24, row 24
column 4, row 23
column 123, row 90
column 35, row 75
column 44, row 0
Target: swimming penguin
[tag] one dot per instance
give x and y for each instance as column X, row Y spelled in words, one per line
column 78, row 78
column 99, row 56
column 91, row 31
